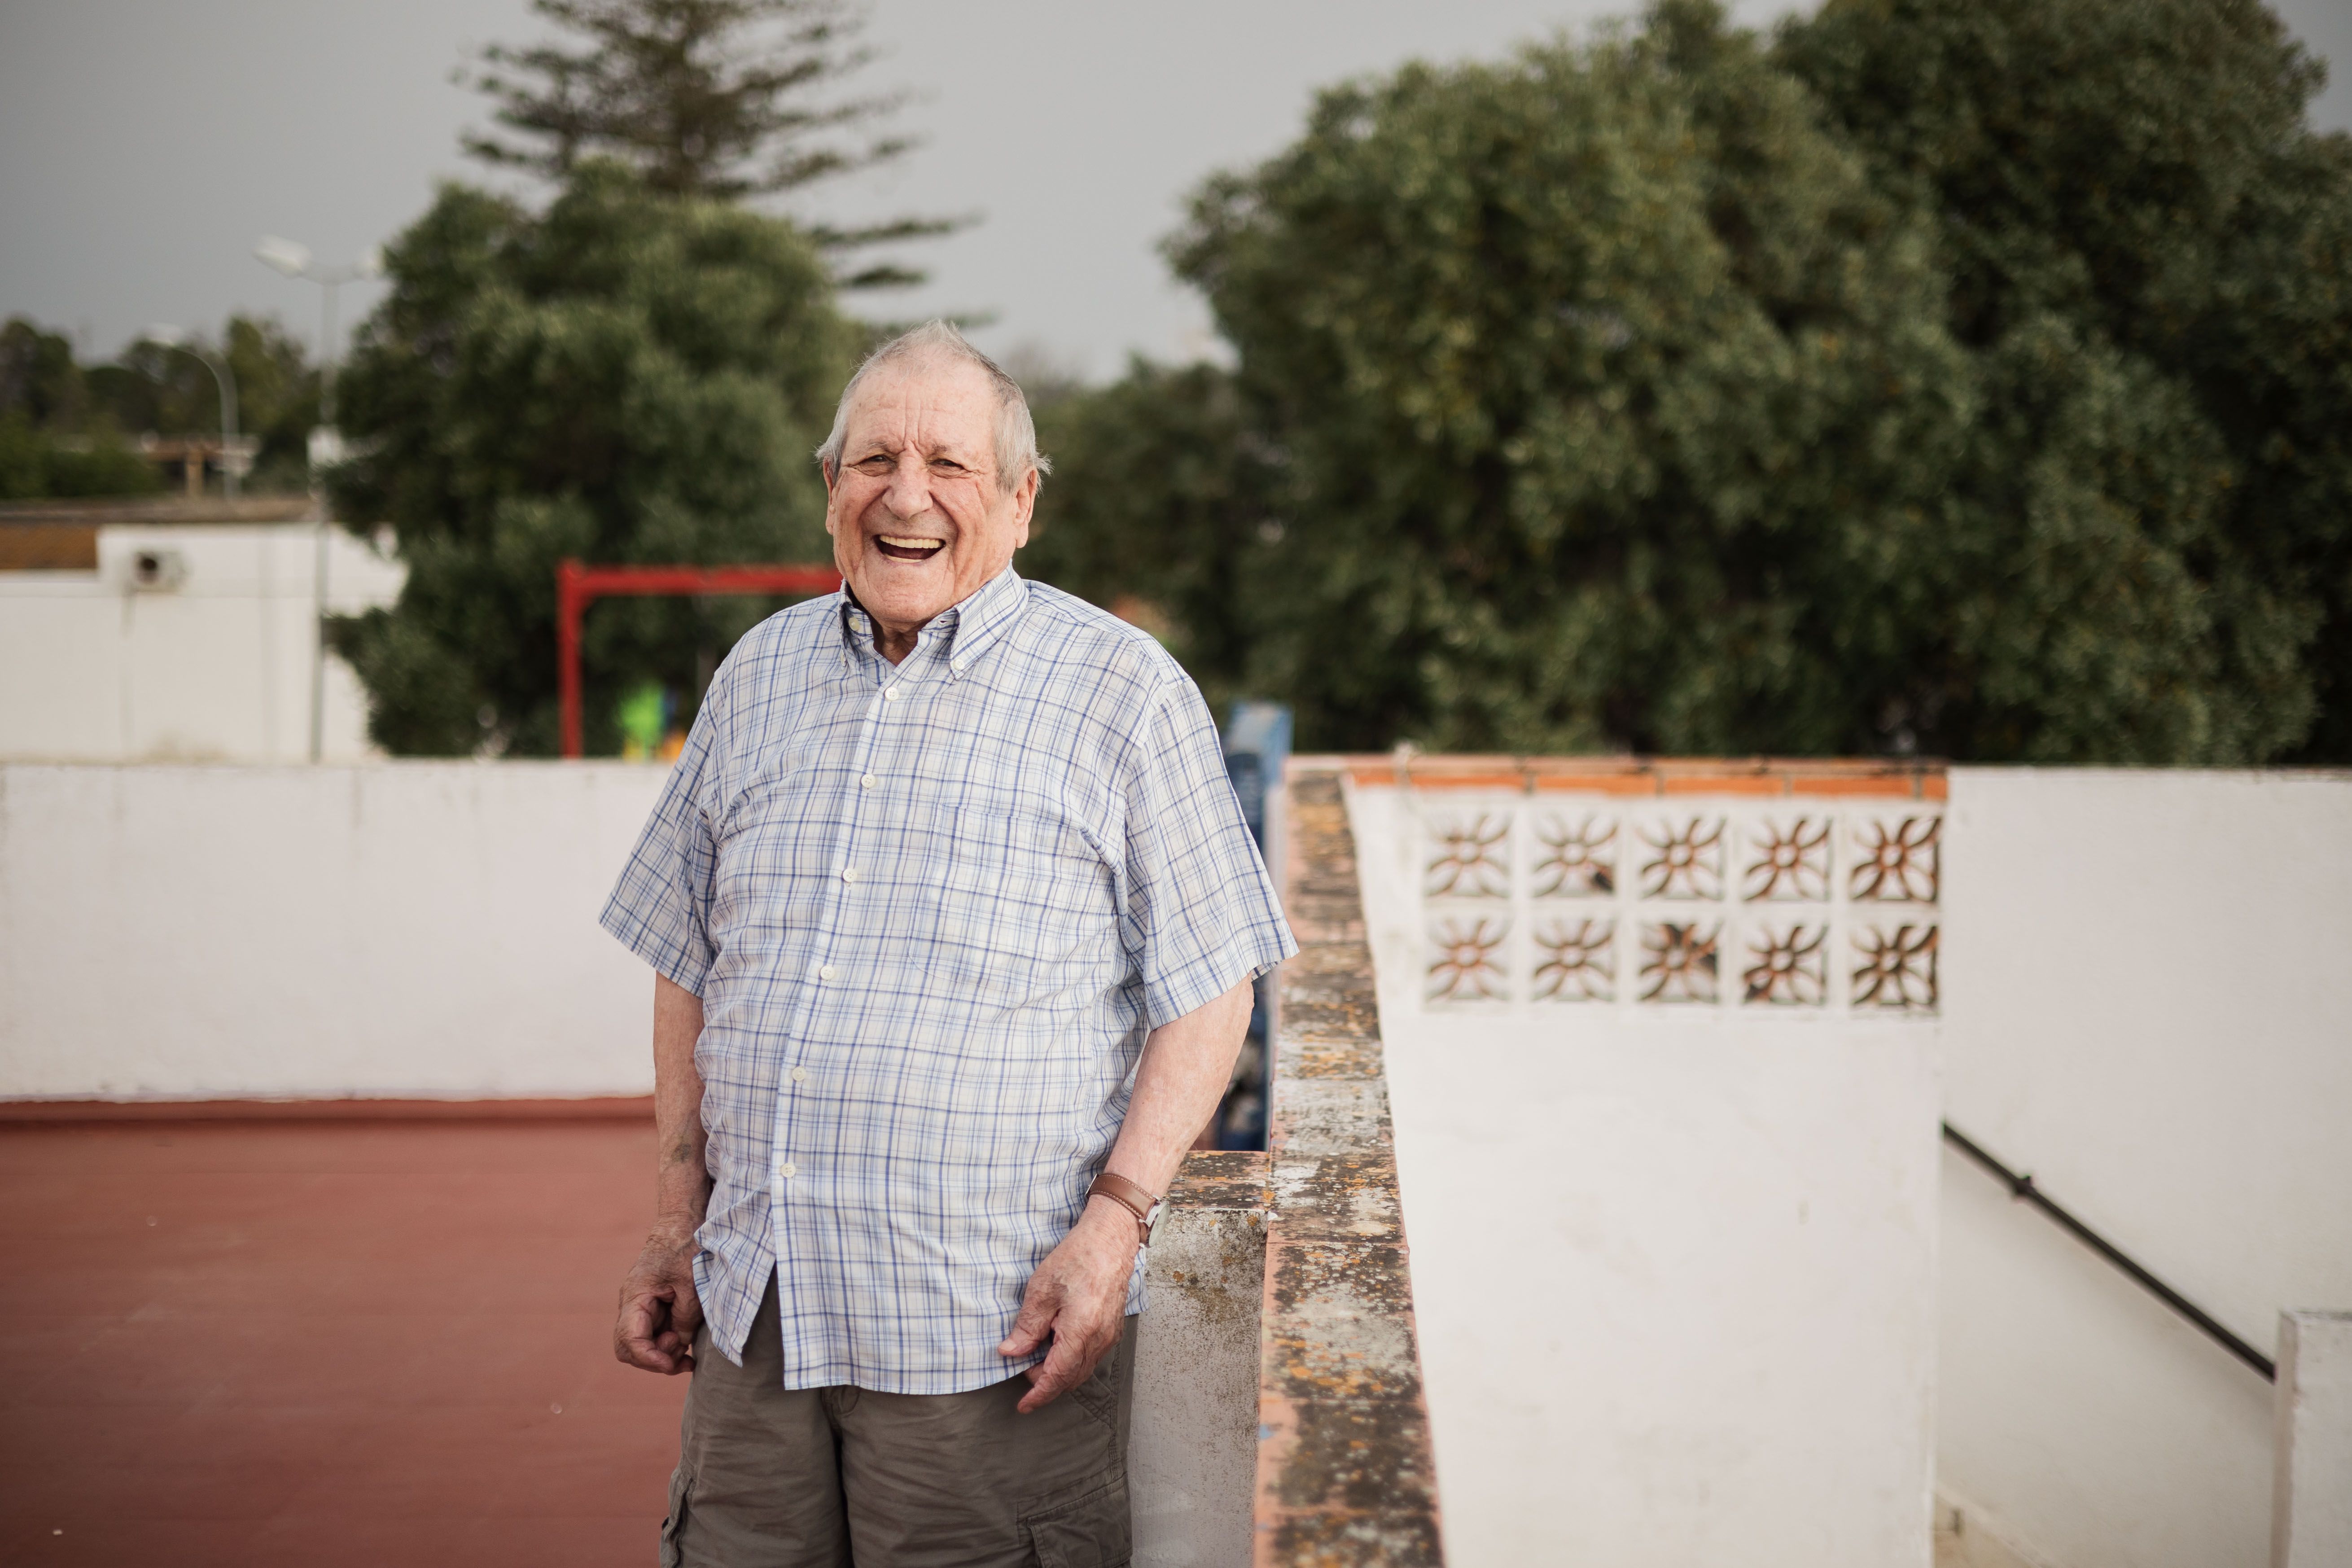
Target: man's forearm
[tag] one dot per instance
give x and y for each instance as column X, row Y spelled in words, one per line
column 1187, row 1063
column 681, row 1183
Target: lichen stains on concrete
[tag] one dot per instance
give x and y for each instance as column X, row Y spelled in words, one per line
column 1404, row 1537
column 1337, row 1197
column 1345, row 1474
column 1345, row 1454
column 1329, row 1008
column 1222, row 1179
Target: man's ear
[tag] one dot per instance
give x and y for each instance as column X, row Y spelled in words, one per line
column 1025, row 505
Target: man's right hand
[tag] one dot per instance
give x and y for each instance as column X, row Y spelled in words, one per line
column 659, row 1309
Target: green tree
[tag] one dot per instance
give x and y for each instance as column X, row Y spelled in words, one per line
column 65, row 420
column 1651, row 394
column 36, row 464
column 150, row 387
column 1161, row 504
column 1606, row 399
column 41, row 383
column 704, row 98
column 2150, row 249
column 628, row 376
column 52, row 441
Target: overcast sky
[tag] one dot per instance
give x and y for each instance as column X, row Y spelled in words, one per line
column 145, row 144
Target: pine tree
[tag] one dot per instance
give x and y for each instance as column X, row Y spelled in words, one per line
column 707, row 98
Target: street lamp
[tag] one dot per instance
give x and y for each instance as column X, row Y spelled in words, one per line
column 326, row 443
column 295, row 261
column 226, row 380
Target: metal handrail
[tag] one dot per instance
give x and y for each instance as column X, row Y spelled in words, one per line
column 2022, row 1187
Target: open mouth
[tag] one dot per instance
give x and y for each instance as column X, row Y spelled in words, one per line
column 903, row 549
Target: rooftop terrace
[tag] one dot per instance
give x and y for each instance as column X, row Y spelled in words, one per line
column 265, row 1342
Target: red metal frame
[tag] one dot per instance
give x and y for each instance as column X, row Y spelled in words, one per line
column 578, row 585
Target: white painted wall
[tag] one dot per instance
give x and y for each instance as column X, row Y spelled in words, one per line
column 218, row 667
column 399, row 929
column 1673, row 1270
column 2146, row 1006
column 2312, row 1499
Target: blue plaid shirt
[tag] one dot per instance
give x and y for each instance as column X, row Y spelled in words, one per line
column 933, row 910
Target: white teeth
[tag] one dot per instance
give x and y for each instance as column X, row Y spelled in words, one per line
column 911, row 543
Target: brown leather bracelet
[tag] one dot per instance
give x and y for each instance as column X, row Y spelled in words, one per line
column 1134, row 1198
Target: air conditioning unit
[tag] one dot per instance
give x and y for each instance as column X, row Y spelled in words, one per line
column 157, row 570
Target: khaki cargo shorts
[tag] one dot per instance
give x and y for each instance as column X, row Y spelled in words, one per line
column 826, row 1477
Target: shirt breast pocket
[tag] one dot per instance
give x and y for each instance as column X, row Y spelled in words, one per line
column 1025, row 911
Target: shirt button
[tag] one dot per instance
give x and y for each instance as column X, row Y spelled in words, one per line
column 866, row 783
column 799, row 1075
column 889, row 694
column 849, row 873
column 825, row 973
column 788, row 1169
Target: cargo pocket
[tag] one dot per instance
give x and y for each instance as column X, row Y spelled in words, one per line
column 673, row 1530
column 1084, row 1528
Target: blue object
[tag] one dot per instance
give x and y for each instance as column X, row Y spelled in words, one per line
column 1257, row 743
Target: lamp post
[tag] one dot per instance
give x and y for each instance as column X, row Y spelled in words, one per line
column 295, row 260
column 226, row 380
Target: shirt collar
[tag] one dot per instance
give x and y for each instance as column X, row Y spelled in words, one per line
column 961, row 632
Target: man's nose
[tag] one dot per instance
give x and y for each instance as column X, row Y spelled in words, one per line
column 910, row 495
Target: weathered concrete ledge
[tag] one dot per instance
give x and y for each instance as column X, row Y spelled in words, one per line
column 1345, row 1474
column 1192, row 1448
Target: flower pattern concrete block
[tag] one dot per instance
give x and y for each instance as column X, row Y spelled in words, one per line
column 1785, row 889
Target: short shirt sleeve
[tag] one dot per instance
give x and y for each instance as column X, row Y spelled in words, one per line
column 1201, row 914
column 660, row 908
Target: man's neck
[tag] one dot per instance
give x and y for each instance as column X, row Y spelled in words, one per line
column 895, row 642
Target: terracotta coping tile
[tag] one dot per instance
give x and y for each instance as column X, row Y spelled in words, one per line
column 1623, row 775
column 1495, row 779
column 1641, row 783
column 1723, row 783
column 1715, row 767
column 1905, row 786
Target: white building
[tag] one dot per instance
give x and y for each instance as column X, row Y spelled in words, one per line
column 178, row 630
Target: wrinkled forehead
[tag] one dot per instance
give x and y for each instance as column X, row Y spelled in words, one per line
column 934, row 402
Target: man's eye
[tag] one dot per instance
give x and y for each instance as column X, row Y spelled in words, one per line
column 878, row 464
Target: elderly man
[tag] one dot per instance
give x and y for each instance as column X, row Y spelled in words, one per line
column 954, row 918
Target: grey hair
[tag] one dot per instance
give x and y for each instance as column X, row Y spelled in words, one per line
column 1016, row 432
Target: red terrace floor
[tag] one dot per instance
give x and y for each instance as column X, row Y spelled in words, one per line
column 373, row 1342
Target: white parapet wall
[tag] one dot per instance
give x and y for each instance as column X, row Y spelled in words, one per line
column 2146, row 991
column 391, row 929
column 1672, row 1209
column 1690, row 1265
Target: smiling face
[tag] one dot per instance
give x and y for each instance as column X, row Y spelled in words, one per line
column 919, row 522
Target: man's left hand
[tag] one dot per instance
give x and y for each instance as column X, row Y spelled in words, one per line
column 1077, row 1300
